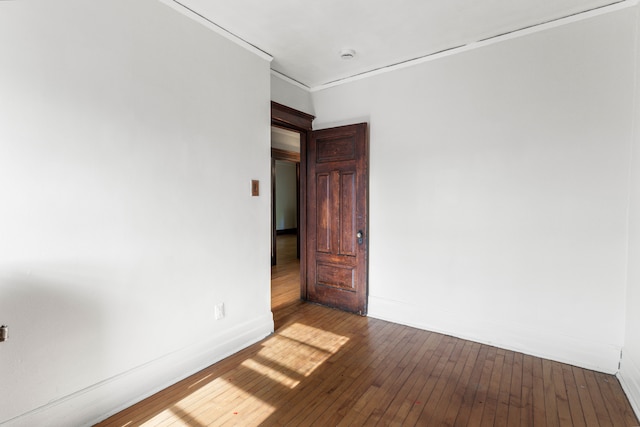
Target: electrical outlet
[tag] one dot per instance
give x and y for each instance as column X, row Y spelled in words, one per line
column 219, row 311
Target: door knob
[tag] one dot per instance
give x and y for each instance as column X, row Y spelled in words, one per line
column 359, row 236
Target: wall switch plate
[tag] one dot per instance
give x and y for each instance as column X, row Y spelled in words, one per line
column 255, row 187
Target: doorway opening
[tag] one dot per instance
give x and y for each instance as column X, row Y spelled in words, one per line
column 285, row 217
column 332, row 209
column 288, row 124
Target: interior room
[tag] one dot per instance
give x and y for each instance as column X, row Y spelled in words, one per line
column 136, row 156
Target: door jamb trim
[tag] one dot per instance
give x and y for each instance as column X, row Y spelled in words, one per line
column 292, row 119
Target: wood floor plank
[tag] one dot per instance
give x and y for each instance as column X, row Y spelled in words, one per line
column 310, row 403
column 539, row 410
column 468, row 399
column 491, row 399
column 348, row 394
column 447, row 409
column 409, row 377
column 285, row 275
column 550, row 401
column 515, row 391
column 443, row 388
column 479, row 404
column 502, row 410
column 383, row 367
column 526, row 412
column 382, row 400
column 327, row 367
column 430, row 380
column 573, row 397
column 615, row 400
column 588, row 410
column 443, row 411
column 344, row 410
column 561, row 397
column 417, row 381
column 597, row 400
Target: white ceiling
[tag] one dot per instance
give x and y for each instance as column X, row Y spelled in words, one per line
column 305, row 37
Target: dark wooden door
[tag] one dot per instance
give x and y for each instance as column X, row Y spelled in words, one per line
column 337, row 217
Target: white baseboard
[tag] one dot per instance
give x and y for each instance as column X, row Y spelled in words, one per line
column 508, row 335
column 629, row 377
column 99, row 401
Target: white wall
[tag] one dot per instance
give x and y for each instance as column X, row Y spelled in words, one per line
column 286, row 195
column 498, row 189
column 286, row 92
column 127, row 131
column 630, row 365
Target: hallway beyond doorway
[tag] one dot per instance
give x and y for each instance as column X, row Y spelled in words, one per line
column 285, row 275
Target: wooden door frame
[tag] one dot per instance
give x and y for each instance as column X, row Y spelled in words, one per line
column 291, row 119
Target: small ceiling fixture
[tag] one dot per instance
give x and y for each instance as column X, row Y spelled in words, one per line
column 347, row 53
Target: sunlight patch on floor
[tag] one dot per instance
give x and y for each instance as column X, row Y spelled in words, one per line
column 294, row 353
column 284, row 360
column 314, row 337
column 200, row 408
column 271, row 373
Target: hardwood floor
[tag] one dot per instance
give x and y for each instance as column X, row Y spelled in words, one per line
column 285, row 275
column 329, row 368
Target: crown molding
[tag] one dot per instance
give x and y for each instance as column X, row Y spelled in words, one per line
column 581, row 16
column 201, row 19
column 290, row 80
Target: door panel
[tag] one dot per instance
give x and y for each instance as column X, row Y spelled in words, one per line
column 323, row 218
column 338, row 149
column 337, row 170
column 347, row 232
column 337, row 276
